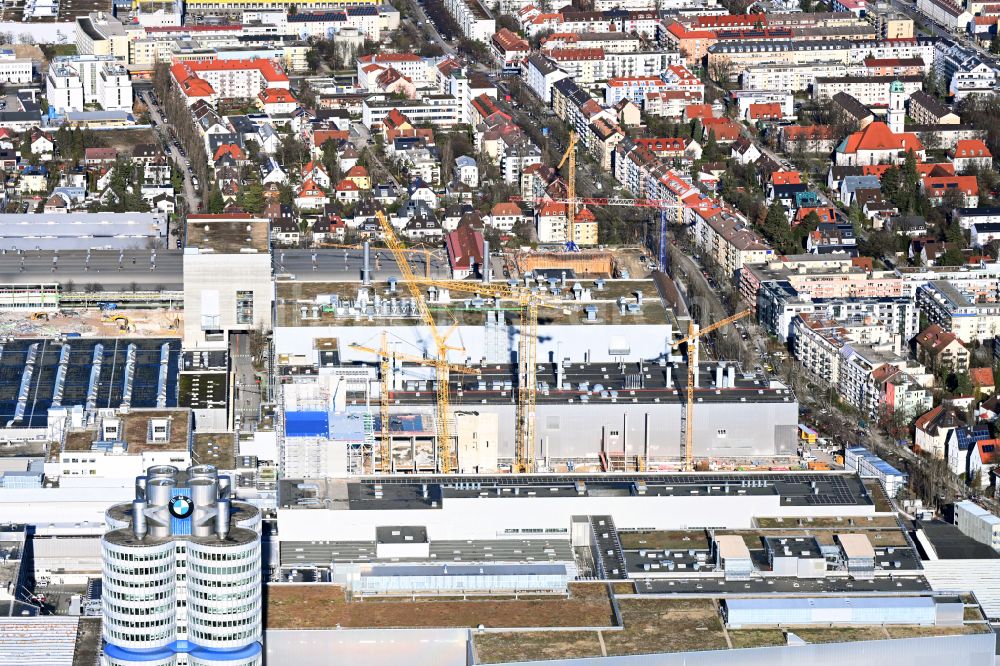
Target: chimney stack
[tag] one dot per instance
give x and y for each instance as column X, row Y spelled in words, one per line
column 366, row 277
column 485, row 268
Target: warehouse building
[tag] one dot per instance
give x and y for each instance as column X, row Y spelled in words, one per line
column 610, row 383
column 483, row 507
column 82, row 231
column 585, row 412
column 978, row 523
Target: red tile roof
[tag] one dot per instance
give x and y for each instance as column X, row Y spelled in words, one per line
column 934, row 338
column 878, row 136
column 971, row 148
column 277, row 96
column 764, row 111
column 506, row 208
column 982, row 377
column 229, row 149
column 465, row 247
column 935, row 186
column 552, row 209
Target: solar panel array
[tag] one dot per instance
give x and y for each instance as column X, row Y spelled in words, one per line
column 111, row 381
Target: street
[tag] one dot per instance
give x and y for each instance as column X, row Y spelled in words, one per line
column 190, row 194
column 246, row 391
column 430, row 29
column 360, row 138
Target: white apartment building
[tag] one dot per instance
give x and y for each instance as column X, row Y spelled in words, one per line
column 816, row 347
column 945, row 12
column 475, row 22
column 639, row 63
column 869, row 90
column 794, row 77
column 416, row 69
column 542, row 75
column 955, row 310
column 227, row 79
column 74, row 82
column 978, row 523
column 181, row 573
column 727, row 238
column 778, row 95
column 440, row 110
column 858, row 384
column 102, row 34
column 15, row 70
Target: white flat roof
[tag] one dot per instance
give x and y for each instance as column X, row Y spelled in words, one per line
column 856, row 545
column 732, row 546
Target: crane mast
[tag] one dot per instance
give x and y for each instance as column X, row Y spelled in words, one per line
column 570, row 155
column 529, row 303
column 687, row 420
column 441, row 368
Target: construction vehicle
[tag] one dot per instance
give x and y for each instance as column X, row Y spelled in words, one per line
column 386, row 359
column 121, row 321
column 441, row 365
column 40, row 316
column 687, row 416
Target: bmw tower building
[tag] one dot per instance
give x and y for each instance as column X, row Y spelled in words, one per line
column 182, row 574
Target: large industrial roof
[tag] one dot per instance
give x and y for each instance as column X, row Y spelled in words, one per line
column 427, row 492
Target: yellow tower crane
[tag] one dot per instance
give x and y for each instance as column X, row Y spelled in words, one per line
column 687, row 421
column 385, row 369
column 440, row 362
column 529, row 303
column 570, row 155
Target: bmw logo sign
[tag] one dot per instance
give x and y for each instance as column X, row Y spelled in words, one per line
column 181, row 507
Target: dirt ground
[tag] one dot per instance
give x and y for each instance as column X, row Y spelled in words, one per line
column 93, row 323
column 629, row 259
column 325, row 606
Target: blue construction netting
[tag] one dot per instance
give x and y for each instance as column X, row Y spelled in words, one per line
column 307, row 424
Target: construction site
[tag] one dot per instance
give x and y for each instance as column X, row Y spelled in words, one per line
column 549, row 371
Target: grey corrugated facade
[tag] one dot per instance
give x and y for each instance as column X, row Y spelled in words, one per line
column 449, row 647
column 568, row 430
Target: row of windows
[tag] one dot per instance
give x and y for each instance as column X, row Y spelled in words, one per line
column 141, row 624
column 227, row 583
column 151, row 596
column 197, row 635
column 120, row 636
column 232, row 596
column 235, row 610
column 222, row 571
column 132, row 610
column 141, row 584
column 139, row 571
column 228, row 556
column 226, row 624
column 145, row 556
